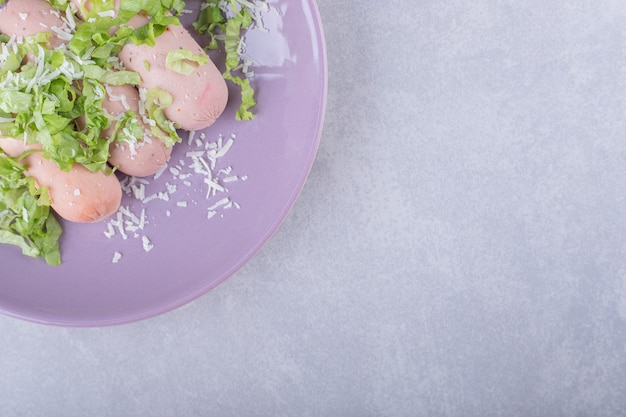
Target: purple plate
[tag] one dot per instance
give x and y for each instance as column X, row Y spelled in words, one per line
column 197, row 228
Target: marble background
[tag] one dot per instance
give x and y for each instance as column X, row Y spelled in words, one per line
column 458, row 250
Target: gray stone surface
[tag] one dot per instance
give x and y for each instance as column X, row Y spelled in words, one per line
column 458, row 250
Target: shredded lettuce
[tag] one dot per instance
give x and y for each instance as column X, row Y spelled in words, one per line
column 41, row 99
column 44, row 92
column 25, row 217
column 226, row 22
column 156, row 100
column 127, row 128
column 184, row 61
column 96, row 72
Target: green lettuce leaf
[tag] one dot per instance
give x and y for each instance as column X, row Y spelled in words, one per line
column 214, row 21
column 15, row 101
column 94, row 34
column 184, row 61
column 26, row 220
column 110, row 77
column 156, row 101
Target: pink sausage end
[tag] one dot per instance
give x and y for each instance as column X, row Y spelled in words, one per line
column 78, row 195
column 29, row 17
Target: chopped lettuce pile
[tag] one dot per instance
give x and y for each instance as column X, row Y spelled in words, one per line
column 42, row 98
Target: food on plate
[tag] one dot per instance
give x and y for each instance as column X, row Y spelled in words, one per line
column 26, row 220
column 139, row 158
column 77, row 195
column 178, row 66
column 88, row 89
column 132, row 156
column 218, row 16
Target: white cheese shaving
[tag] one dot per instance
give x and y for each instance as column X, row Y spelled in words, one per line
column 109, row 233
column 199, row 165
column 114, row 97
column 62, row 32
column 69, row 19
column 147, row 245
column 222, row 202
column 107, row 13
column 232, row 178
column 116, row 257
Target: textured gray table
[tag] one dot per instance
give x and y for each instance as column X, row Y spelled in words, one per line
column 459, row 248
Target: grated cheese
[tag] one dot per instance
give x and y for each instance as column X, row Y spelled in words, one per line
column 147, row 245
column 116, row 257
column 232, row 178
column 199, row 165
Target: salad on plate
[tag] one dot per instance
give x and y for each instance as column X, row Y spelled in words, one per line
column 94, row 96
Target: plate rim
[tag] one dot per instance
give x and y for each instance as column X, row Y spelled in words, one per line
column 246, row 257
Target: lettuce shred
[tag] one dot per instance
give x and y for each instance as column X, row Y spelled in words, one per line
column 42, row 98
column 94, row 33
column 156, row 101
column 225, row 22
column 26, row 220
